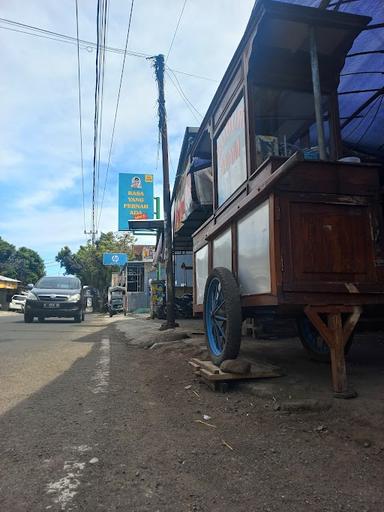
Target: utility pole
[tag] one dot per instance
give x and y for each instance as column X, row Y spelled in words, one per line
column 93, row 233
column 159, row 72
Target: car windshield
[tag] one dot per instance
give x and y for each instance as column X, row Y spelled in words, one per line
column 61, row 283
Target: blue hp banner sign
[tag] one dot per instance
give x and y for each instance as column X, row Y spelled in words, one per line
column 115, row 258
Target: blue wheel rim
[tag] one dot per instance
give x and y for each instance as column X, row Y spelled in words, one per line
column 215, row 317
column 313, row 338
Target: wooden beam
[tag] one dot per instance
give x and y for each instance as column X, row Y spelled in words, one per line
column 336, row 336
column 339, row 373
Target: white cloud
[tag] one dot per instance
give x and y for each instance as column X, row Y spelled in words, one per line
column 39, row 153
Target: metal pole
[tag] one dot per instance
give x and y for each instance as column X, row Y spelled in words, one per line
column 317, row 92
column 159, row 70
column 126, row 288
column 157, row 207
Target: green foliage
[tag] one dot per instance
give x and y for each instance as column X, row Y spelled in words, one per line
column 87, row 262
column 6, row 251
column 23, row 264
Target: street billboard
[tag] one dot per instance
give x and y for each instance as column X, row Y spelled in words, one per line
column 135, row 198
column 115, row 258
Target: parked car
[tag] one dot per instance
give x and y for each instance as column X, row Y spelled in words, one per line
column 60, row 296
column 17, row 303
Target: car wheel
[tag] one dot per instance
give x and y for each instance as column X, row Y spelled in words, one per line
column 82, row 316
column 41, row 319
column 28, row 318
column 77, row 318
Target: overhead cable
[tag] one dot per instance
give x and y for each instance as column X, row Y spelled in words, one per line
column 101, row 24
column 80, row 111
column 57, row 36
column 104, row 24
column 117, row 108
column 175, row 32
column 84, row 44
column 190, row 106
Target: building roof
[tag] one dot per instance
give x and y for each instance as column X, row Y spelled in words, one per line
column 9, row 280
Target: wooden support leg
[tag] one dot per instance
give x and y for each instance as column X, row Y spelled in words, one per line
column 336, row 336
column 336, row 347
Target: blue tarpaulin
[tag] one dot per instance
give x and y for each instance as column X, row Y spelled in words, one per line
column 363, row 70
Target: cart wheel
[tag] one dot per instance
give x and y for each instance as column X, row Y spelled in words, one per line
column 222, row 315
column 314, row 343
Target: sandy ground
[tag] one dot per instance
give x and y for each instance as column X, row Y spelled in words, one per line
column 121, row 429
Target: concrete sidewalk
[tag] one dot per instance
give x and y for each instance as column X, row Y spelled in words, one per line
column 142, row 331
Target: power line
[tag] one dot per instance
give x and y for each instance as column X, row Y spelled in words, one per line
column 189, row 104
column 117, row 107
column 84, row 44
column 184, row 99
column 64, row 38
column 176, row 29
column 104, row 37
column 80, row 110
column 101, row 28
column 200, row 77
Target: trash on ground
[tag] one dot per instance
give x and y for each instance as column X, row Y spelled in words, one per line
column 205, row 423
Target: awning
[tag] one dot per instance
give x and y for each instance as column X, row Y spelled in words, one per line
column 150, row 226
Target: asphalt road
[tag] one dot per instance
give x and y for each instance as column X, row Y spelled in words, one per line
column 33, row 355
column 90, row 422
column 45, row 369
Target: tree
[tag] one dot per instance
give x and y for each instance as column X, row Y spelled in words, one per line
column 23, row 264
column 6, row 251
column 87, row 262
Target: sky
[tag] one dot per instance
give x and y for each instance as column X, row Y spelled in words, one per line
column 40, row 169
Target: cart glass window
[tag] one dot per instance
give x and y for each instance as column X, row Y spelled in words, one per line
column 231, row 155
column 201, row 261
column 285, row 122
column 253, row 251
column 222, row 250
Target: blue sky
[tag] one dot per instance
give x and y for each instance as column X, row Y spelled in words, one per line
column 40, row 173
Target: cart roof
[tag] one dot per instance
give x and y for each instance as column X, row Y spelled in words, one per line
column 362, row 113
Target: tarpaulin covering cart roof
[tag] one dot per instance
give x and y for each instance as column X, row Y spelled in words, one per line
column 361, row 89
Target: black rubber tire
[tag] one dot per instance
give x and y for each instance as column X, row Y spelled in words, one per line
column 77, row 318
column 41, row 319
column 28, row 318
column 306, row 329
column 110, row 314
column 231, row 295
column 82, row 316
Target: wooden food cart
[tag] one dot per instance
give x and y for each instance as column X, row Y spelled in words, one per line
column 296, row 228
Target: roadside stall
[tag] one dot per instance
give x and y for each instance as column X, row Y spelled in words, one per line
column 296, row 229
